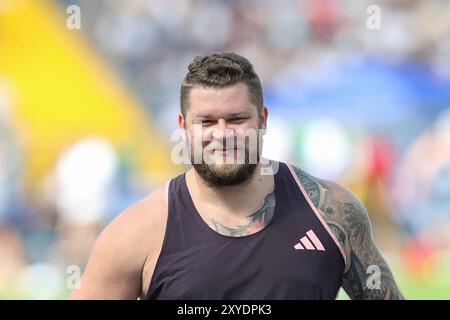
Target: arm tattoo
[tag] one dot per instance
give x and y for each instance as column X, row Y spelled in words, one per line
column 349, row 221
column 257, row 220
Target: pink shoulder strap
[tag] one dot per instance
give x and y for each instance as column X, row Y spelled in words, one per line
column 316, row 211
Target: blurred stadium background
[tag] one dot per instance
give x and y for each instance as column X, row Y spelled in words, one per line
column 86, row 117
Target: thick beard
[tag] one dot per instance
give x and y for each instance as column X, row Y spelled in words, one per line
column 227, row 174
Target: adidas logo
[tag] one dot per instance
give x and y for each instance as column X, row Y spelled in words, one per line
column 309, row 242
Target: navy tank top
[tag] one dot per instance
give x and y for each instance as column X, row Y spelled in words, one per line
column 295, row 256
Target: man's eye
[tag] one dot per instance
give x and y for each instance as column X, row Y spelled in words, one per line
column 237, row 119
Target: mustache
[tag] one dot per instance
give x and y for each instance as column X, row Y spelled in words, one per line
column 219, row 145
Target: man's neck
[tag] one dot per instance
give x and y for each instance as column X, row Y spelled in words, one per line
column 233, row 198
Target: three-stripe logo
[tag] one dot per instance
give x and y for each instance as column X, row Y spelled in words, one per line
column 309, row 242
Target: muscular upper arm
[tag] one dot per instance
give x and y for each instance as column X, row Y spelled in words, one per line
column 366, row 274
column 114, row 269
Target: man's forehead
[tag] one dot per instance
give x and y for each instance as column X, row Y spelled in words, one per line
column 236, row 91
column 216, row 110
column 228, row 101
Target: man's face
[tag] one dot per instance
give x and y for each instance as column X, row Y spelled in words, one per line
column 224, row 130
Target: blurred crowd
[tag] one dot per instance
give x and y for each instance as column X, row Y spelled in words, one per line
column 400, row 172
column 151, row 42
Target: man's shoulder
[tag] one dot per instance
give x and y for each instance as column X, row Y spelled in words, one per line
column 343, row 212
column 151, row 204
column 333, row 199
column 141, row 220
column 337, row 189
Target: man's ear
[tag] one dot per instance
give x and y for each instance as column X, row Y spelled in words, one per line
column 181, row 121
column 264, row 115
column 182, row 125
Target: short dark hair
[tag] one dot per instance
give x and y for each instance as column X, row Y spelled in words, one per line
column 219, row 70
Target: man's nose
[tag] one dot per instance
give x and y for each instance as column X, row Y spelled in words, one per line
column 222, row 131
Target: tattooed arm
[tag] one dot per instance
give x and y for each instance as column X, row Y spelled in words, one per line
column 349, row 221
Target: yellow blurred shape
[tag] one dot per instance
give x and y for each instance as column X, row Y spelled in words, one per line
column 64, row 92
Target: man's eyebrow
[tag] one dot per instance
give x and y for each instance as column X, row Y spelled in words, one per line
column 200, row 118
column 205, row 115
column 235, row 114
column 230, row 115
